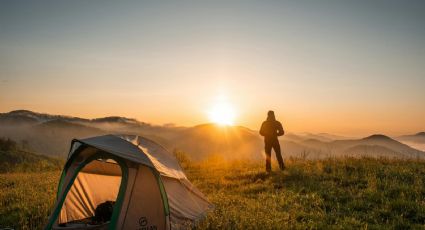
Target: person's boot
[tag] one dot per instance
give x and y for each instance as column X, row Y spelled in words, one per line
column 268, row 169
column 268, row 166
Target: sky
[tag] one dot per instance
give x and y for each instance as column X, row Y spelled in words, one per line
column 342, row 67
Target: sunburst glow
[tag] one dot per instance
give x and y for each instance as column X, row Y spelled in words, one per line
column 222, row 113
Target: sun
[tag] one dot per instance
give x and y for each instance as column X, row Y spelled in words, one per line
column 222, row 113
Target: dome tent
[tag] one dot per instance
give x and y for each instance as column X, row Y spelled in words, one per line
column 147, row 184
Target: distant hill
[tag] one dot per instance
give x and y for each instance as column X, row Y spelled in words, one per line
column 31, row 117
column 240, row 142
column 231, row 142
column 324, row 137
column 44, row 133
column 52, row 134
column 373, row 146
column 54, row 137
column 416, row 141
column 398, row 149
column 418, row 138
column 57, row 124
column 116, row 119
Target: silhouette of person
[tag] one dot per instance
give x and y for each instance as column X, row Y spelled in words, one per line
column 271, row 129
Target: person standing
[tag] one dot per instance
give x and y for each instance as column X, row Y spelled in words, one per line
column 271, row 129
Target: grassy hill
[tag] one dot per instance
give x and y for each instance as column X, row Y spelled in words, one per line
column 13, row 159
column 344, row 193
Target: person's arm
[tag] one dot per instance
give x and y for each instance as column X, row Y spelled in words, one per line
column 262, row 130
column 280, row 131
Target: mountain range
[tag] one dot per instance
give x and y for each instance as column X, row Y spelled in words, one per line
column 51, row 135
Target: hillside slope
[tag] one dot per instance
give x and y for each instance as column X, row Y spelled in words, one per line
column 13, row 159
column 324, row 194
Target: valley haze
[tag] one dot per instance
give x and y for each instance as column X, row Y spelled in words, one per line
column 51, row 134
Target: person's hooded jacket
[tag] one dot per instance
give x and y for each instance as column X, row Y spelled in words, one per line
column 271, row 128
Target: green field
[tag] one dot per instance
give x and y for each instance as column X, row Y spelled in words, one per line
column 26, row 199
column 324, row 194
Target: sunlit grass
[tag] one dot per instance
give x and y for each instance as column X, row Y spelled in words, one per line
column 26, row 199
column 324, row 194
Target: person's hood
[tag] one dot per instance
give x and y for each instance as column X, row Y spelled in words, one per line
column 271, row 117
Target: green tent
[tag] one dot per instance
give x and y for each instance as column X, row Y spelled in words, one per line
column 147, row 184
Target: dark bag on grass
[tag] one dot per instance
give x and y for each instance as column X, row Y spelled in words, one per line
column 103, row 212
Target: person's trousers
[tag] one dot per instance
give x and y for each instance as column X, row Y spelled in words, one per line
column 269, row 145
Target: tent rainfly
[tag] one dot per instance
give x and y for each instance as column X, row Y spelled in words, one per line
column 143, row 181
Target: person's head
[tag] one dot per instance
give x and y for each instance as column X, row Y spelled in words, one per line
column 270, row 115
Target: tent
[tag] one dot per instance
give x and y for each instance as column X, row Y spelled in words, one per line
column 146, row 183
